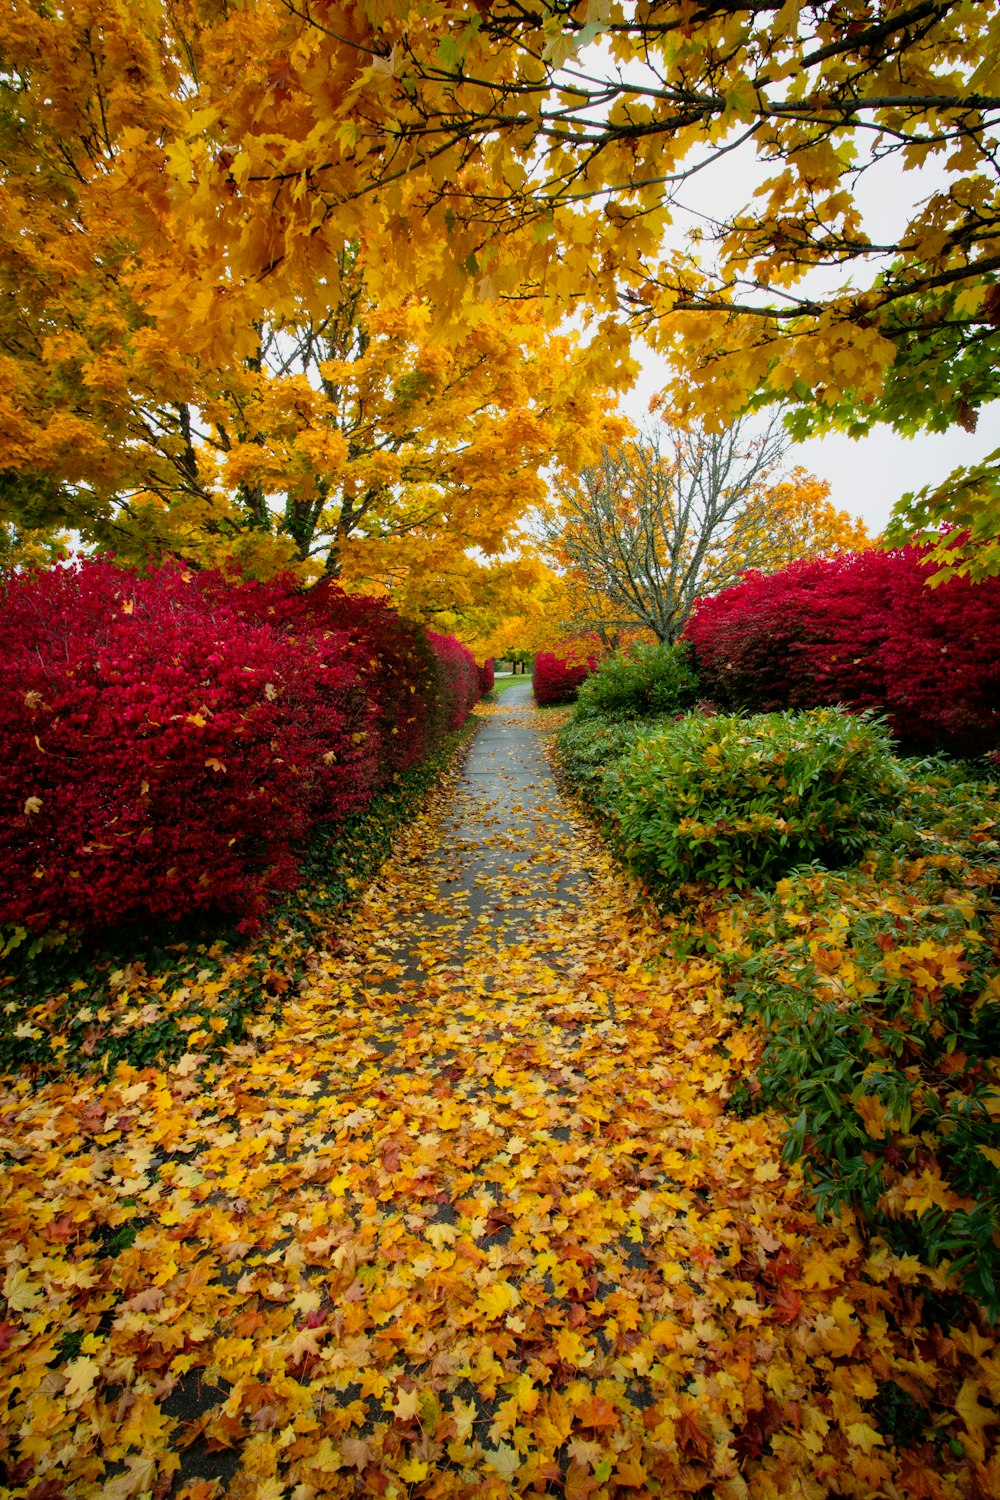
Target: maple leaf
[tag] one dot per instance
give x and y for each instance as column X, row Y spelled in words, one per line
column 786, row 1306
column 140, row 1474
column 413, row 1470
column 498, row 1299
column 356, row 1451
column 692, row 1439
column 977, row 1418
column 406, row 1404
column 20, row 1292
column 862, row 1435
column 81, row 1374
column 503, row 1460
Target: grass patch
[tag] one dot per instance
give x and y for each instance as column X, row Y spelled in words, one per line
column 502, row 684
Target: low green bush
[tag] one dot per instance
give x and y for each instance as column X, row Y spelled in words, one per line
column 737, row 802
column 881, row 1009
column 640, row 681
column 589, row 752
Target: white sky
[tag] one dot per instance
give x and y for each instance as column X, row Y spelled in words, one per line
column 868, row 475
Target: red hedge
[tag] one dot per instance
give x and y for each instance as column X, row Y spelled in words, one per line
column 168, row 738
column 864, row 630
column 402, row 671
column 556, row 680
column 162, row 750
column 487, row 677
column 459, row 677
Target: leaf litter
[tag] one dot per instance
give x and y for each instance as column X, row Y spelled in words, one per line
column 470, row 1219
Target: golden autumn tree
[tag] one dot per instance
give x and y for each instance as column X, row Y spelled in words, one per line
column 674, row 513
column 495, row 606
column 360, row 446
column 582, row 122
column 788, row 520
column 178, row 177
column 157, row 405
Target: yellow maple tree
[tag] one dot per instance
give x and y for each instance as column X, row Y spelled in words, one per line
column 552, row 147
column 157, row 400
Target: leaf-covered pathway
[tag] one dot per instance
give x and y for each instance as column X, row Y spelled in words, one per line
column 470, row 1221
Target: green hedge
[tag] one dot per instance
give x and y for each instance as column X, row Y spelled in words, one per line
column 738, row 801
column 641, row 681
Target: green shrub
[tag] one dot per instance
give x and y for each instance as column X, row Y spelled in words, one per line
column 740, row 801
column 882, row 1024
column 589, row 752
column 641, row 681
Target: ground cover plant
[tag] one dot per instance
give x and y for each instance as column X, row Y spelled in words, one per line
column 879, row 998
column 863, row 630
column 590, row 751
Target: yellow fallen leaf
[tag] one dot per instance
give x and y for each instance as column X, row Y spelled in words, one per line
column 413, row 1470
column 406, row 1404
column 503, row 1460
column 81, row 1374
column 21, row 1294
column 861, row 1435
column 498, row 1299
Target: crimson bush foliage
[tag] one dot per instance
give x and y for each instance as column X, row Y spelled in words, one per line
column 402, row 668
column 162, row 751
column 168, row 738
column 459, row 677
column 555, row 677
column 866, row 631
column 487, row 677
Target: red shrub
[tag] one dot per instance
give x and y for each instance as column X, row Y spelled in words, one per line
column 163, row 747
column 459, row 677
column 556, row 679
column 487, row 677
column 864, row 630
column 402, row 673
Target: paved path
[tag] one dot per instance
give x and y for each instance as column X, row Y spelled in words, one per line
column 504, row 862
column 464, row 1224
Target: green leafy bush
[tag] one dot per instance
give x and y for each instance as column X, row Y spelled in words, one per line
column 881, row 1011
column 641, row 681
column 739, row 801
column 589, row 752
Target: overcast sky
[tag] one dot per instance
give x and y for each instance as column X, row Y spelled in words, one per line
column 866, row 475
